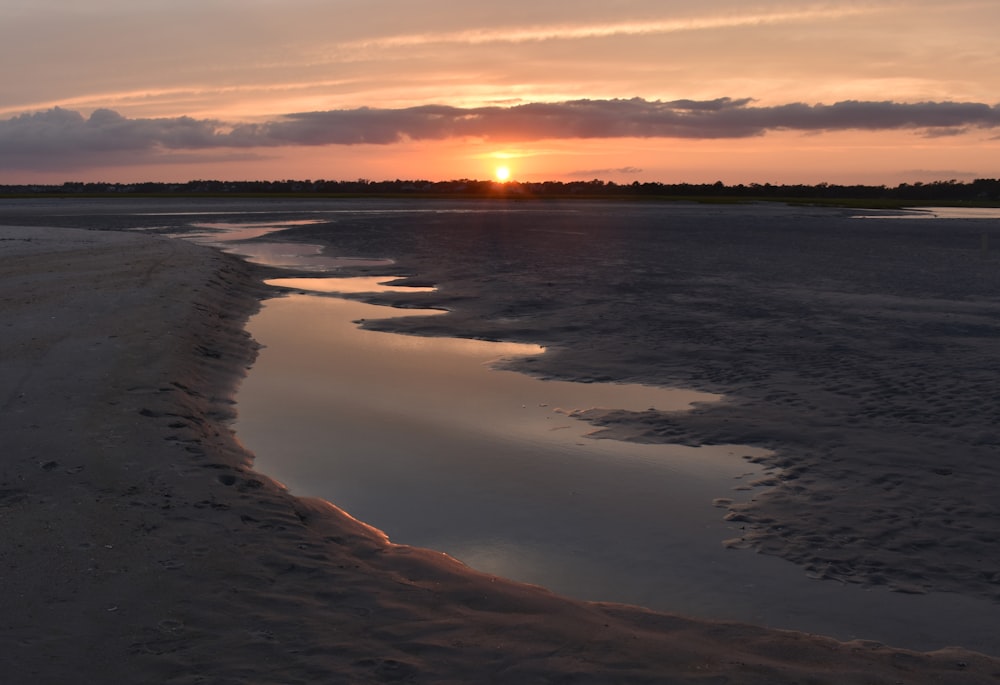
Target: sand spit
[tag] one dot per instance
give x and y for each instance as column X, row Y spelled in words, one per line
column 139, row 547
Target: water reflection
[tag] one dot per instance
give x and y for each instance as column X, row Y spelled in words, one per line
column 240, row 238
column 441, row 380
column 939, row 213
column 244, row 230
column 420, row 438
column 300, row 256
column 354, row 285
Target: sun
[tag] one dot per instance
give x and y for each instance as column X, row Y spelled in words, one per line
column 502, row 173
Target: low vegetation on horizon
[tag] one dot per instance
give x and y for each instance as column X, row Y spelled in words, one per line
column 980, row 192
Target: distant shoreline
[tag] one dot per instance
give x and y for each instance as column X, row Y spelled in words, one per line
column 978, row 193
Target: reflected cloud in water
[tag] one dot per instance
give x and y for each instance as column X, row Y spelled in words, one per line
column 353, row 285
column 240, row 238
column 423, row 438
column 938, row 213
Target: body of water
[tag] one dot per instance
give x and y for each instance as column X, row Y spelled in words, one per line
column 423, row 439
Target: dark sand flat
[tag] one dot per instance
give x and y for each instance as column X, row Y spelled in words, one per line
column 139, row 546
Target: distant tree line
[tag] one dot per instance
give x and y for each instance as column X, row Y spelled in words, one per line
column 983, row 190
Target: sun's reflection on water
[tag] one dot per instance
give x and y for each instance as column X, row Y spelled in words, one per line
column 353, row 285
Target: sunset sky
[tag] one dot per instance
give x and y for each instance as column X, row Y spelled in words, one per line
column 787, row 91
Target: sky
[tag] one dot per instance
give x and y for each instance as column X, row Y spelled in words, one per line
column 698, row 91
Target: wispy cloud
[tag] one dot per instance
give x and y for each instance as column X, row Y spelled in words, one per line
column 169, row 96
column 58, row 136
column 594, row 173
column 610, row 29
column 940, row 173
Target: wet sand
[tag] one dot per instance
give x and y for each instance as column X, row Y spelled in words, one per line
column 140, row 546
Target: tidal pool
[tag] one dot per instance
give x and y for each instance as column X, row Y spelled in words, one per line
column 423, row 439
column 242, row 239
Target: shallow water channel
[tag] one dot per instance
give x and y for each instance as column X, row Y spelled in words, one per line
column 422, row 438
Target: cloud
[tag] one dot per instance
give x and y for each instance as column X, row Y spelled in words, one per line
column 607, row 29
column 104, row 130
column 635, row 118
column 938, row 174
column 60, row 136
column 593, row 173
column 945, row 132
column 61, row 139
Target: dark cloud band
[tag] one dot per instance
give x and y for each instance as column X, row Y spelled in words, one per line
column 58, row 135
column 636, row 118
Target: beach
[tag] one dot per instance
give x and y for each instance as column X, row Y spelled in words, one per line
column 141, row 546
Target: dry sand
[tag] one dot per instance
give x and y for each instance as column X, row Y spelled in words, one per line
column 139, row 547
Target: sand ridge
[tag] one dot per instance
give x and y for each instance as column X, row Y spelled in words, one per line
column 140, row 546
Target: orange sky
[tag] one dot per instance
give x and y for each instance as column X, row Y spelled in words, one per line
column 781, row 92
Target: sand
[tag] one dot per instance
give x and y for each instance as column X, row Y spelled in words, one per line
column 140, row 547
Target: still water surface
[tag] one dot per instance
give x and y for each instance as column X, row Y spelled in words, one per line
column 421, row 438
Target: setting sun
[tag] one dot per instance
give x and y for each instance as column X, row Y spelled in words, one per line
column 502, row 173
